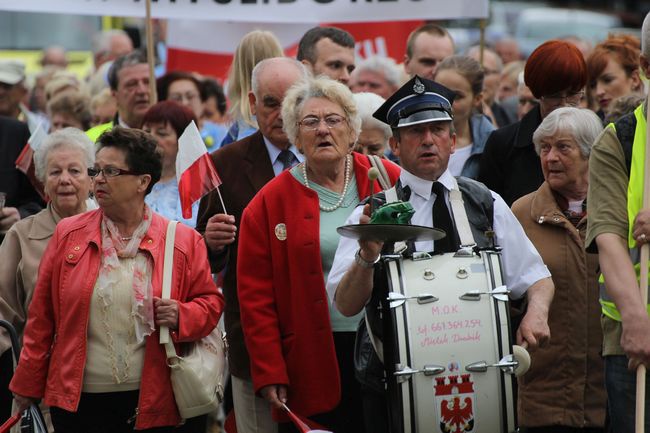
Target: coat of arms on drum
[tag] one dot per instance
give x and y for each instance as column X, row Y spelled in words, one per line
column 455, row 403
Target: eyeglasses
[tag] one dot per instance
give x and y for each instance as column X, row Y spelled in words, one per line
column 311, row 123
column 571, row 99
column 109, row 172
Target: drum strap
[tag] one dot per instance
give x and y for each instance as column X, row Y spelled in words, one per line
column 460, row 216
column 376, row 342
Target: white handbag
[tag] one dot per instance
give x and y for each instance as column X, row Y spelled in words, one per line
column 197, row 373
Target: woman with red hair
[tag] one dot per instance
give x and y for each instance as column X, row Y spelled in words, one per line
column 556, row 74
column 613, row 70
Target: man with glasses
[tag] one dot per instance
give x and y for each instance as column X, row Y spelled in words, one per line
column 423, row 138
column 245, row 166
column 556, row 74
column 129, row 81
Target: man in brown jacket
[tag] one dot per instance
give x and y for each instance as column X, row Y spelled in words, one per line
column 245, row 166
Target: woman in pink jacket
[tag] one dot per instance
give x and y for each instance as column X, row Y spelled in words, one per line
column 91, row 342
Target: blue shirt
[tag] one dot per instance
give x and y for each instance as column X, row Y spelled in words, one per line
column 164, row 199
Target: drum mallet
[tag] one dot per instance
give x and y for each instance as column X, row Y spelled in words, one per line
column 373, row 174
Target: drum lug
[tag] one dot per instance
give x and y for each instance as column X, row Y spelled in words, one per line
column 499, row 293
column 397, row 299
column 507, row 364
column 465, row 251
column 420, row 255
column 432, row 369
column 404, row 372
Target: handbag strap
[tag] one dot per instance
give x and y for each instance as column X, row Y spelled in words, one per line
column 168, row 266
column 383, row 179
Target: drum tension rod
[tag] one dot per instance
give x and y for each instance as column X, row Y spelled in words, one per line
column 404, row 372
column 397, row 299
column 507, row 364
column 499, row 293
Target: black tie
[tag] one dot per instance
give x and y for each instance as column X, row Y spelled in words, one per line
column 287, row 158
column 442, row 221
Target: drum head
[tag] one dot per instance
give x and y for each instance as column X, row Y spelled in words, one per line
column 390, row 232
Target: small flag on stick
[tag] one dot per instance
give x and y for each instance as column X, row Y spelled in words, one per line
column 25, row 161
column 194, row 169
column 301, row 425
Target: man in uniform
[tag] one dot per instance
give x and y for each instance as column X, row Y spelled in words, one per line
column 423, row 138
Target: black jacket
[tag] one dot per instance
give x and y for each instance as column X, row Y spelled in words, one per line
column 20, row 192
column 509, row 164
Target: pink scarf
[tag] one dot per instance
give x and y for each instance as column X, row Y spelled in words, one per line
column 115, row 246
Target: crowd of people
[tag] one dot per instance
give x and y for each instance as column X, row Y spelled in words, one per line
column 547, row 153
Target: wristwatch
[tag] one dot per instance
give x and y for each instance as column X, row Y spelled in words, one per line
column 364, row 263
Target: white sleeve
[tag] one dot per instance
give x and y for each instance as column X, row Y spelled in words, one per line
column 344, row 256
column 522, row 264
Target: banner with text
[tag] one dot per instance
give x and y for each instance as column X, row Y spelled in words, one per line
column 207, row 47
column 267, row 11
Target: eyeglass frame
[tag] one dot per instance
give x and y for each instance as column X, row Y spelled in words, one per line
column 557, row 98
column 180, row 97
column 321, row 120
column 102, row 171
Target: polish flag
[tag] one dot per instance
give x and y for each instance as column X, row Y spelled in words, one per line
column 194, row 169
column 25, row 161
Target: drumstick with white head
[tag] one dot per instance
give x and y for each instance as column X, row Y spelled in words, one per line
column 373, row 174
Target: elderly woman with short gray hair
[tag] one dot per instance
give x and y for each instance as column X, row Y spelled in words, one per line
column 301, row 347
column 374, row 136
column 61, row 164
column 564, row 388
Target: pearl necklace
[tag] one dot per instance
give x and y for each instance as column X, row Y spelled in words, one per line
column 338, row 204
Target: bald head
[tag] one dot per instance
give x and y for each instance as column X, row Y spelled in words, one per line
column 54, row 56
column 271, row 79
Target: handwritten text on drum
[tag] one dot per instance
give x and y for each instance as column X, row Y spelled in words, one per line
column 452, row 330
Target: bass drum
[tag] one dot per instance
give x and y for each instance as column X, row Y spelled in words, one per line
column 447, row 344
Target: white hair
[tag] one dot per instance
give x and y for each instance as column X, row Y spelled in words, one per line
column 583, row 125
column 385, row 66
column 318, row 87
column 72, row 138
column 367, row 104
column 101, row 41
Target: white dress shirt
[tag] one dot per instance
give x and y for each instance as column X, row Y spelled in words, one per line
column 274, row 152
column 522, row 264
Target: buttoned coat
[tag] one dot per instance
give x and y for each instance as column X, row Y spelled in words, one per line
column 564, row 386
column 54, row 352
column 284, row 305
column 244, row 168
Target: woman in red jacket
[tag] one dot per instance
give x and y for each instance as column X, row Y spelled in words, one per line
column 91, row 342
column 301, row 347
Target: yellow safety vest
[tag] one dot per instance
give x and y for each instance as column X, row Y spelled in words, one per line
column 634, row 201
column 94, row 132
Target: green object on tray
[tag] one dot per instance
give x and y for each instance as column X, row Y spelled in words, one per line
column 398, row 212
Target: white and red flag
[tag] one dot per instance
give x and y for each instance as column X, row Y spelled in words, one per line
column 194, row 169
column 25, row 160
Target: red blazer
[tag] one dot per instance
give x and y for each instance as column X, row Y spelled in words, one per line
column 54, row 353
column 282, row 297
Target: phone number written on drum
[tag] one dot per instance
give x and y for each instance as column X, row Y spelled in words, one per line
column 449, row 325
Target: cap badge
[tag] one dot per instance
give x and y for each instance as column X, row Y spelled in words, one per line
column 418, row 87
